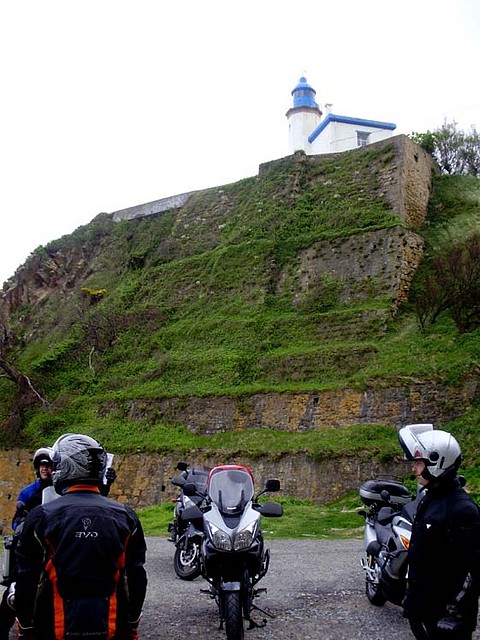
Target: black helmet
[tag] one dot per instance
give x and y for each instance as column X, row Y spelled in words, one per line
column 77, row 459
column 44, row 455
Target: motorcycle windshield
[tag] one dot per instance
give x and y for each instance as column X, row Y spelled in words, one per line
column 231, row 490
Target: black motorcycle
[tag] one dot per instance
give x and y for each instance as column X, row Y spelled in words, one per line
column 233, row 557
column 187, row 544
column 388, row 528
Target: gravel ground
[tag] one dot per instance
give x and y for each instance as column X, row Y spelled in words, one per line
column 315, row 589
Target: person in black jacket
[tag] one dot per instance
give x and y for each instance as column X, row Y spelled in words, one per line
column 444, row 554
column 81, row 557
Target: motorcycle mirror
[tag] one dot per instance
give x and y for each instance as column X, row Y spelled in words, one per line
column 189, row 489
column 272, row 485
column 182, row 466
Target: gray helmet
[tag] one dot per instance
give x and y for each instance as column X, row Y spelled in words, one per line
column 438, row 449
column 77, row 459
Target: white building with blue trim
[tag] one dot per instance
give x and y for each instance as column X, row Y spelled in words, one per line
column 309, row 133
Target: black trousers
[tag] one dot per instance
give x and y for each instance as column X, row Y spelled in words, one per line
column 7, row 617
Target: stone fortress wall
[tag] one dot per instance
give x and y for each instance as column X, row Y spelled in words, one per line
column 406, row 184
column 142, row 479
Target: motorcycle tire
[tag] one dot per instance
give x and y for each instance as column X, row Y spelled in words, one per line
column 233, row 616
column 373, row 589
column 186, row 562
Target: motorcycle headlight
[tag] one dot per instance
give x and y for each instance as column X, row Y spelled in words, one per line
column 244, row 538
column 220, row 538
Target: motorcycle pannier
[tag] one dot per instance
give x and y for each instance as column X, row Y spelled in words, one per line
column 371, row 490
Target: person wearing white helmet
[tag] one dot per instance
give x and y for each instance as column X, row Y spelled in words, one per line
column 444, row 554
column 31, row 496
column 86, row 551
column 28, row 498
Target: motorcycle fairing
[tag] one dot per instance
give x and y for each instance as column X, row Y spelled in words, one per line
column 225, row 523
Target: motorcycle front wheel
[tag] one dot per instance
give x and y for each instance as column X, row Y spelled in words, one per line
column 373, row 588
column 186, row 561
column 233, row 616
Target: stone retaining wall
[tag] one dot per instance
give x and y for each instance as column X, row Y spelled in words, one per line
column 393, row 406
column 143, row 480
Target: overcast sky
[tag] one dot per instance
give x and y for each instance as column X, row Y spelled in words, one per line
column 111, row 103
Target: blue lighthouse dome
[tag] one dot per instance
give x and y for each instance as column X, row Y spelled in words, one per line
column 304, row 95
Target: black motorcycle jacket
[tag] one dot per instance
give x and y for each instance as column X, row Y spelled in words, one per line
column 87, row 553
column 444, row 555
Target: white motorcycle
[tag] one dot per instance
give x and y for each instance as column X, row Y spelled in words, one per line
column 233, row 557
column 388, row 528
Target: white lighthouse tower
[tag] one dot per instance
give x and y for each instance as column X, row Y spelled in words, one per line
column 303, row 117
column 335, row 133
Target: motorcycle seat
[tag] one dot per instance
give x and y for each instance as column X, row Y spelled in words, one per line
column 385, row 515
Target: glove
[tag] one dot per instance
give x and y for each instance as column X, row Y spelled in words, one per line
column 110, row 475
column 452, row 623
column 26, row 633
column 11, row 596
column 130, row 632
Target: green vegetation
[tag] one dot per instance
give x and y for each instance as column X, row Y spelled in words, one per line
column 454, row 150
column 225, row 298
column 301, row 518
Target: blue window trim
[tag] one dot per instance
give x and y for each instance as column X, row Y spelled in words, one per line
column 376, row 124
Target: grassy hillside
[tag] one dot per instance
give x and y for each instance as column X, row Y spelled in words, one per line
column 205, row 302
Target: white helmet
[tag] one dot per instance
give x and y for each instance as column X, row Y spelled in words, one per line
column 44, row 455
column 438, row 449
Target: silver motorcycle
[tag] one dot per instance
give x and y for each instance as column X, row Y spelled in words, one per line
column 233, row 556
column 388, row 528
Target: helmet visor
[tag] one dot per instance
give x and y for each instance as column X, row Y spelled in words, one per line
column 409, row 438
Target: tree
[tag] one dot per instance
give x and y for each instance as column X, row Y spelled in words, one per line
column 455, row 151
column 26, row 392
column 453, row 284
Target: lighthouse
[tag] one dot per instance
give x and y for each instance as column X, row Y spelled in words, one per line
column 303, row 117
column 335, row 133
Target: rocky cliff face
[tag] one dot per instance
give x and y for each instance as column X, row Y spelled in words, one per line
column 377, row 263
column 48, row 272
column 384, row 259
